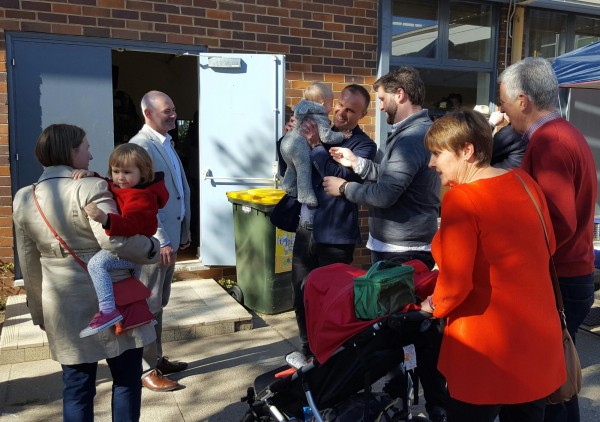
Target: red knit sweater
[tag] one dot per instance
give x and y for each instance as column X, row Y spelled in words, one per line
column 138, row 207
column 561, row 161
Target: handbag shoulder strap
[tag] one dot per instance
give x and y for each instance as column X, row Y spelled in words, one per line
column 559, row 302
column 56, row 235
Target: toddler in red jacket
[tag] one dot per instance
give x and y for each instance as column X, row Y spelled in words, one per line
column 139, row 193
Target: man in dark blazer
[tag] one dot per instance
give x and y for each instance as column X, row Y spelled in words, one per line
column 509, row 145
column 328, row 234
column 173, row 228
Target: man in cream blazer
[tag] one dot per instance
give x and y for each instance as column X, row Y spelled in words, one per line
column 173, row 228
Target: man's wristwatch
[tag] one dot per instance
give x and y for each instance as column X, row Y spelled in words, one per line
column 342, row 189
column 152, row 252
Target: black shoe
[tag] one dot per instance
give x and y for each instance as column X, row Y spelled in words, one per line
column 438, row 414
column 166, row 367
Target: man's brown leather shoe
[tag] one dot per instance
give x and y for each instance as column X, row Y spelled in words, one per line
column 156, row 381
column 166, row 367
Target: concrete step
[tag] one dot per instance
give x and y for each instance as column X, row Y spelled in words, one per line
column 197, row 308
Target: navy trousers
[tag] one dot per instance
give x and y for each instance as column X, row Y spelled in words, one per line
column 459, row 411
column 79, row 388
column 578, row 298
column 308, row 255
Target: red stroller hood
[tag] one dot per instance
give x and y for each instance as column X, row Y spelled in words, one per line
column 329, row 304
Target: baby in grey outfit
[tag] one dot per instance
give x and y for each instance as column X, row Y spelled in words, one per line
column 316, row 105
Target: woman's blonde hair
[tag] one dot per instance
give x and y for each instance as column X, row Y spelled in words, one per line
column 454, row 130
column 132, row 154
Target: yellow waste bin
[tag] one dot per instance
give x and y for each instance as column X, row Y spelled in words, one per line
column 263, row 252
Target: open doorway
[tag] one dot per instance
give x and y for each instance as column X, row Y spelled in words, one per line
column 84, row 81
column 76, row 80
column 135, row 73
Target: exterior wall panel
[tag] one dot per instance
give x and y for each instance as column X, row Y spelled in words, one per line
column 333, row 41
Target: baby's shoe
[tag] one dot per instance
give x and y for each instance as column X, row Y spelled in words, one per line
column 100, row 322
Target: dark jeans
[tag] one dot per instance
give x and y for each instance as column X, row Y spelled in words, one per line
column 308, row 255
column 578, row 298
column 429, row 342
column 459, row 411
column 79, row 388
column 424, row 256
column 427, row 348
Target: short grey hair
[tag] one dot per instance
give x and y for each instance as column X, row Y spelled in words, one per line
column 149, row 98
column 534, row 77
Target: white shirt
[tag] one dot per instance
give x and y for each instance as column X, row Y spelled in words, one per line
column 168, row 146
column 379, row 246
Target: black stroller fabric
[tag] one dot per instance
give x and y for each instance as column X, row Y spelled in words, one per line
column 351, row 354
column 363, row 407
column 365, row 358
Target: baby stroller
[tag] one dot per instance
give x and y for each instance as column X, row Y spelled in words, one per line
column 350, row 356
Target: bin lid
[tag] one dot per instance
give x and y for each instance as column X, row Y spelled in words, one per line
column 264, row 196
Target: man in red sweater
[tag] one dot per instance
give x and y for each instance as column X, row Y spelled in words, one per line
column 560, row 160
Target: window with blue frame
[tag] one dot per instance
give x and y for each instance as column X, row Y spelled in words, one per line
column 453, row 45
column 470, row 31
column 415, row 28
column 552, row 33
column 587, row 31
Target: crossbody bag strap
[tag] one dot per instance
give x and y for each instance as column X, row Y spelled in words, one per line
column 553, row 275
column 56, row 235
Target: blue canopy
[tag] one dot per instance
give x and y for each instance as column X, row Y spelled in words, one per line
column 579, row 68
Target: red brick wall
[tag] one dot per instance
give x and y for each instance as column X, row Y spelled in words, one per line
column 6, row 230
column 328, row 40
column 503, row 60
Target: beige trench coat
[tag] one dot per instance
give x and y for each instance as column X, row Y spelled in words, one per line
column 60, row 294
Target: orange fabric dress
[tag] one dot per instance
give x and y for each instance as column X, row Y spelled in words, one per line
column 502, row 341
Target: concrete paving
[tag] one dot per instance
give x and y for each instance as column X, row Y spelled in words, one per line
column 221, row 368
column 198, row 308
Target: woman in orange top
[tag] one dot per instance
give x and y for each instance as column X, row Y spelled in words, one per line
column 501, row 353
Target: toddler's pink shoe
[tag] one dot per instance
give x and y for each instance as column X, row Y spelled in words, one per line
column 101, row 322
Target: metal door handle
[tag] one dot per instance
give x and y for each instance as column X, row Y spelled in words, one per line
column 262, row 179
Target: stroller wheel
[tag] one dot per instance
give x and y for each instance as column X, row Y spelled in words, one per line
column 399, row 418
column 248, row 417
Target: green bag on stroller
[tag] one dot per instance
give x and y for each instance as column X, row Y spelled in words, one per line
column 386, row 288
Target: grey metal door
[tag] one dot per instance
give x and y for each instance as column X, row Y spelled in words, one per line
column 56, row 82
column 241, row 117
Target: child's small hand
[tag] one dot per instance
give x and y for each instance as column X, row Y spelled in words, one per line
column 290, row 125
column 95, row 213
column 80, row 173
column 347, row 134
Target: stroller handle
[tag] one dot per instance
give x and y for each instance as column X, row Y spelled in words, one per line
column 399, row 319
